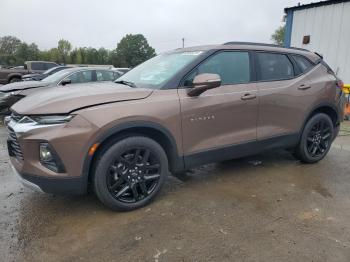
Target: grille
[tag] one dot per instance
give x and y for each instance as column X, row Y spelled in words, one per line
column 13, row 146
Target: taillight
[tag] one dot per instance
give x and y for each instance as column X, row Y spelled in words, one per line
column 340, row 84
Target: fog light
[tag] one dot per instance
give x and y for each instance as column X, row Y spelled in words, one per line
column 49, row 158
column 45, row 153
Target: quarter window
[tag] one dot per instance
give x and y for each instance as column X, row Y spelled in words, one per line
column 232, row 67
column 303, row 63
column 274, row 67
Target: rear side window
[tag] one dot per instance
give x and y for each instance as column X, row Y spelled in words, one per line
column 103, row 75
column 232, row 67
column 50, row 65
column 273, row 66
column 303, row 63
column 38, row 66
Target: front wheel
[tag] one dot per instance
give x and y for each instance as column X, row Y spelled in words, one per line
column 130, row 173
column 316, row 139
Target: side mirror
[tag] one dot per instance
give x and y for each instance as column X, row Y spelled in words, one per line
column 66, row 82
column 204, row 82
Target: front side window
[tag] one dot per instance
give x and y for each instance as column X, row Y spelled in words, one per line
column 81, row 77
column 104, row 75
column 157, row 71
column 273, row 66
column 232, row 67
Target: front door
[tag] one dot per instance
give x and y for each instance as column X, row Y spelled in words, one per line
column 222, row 118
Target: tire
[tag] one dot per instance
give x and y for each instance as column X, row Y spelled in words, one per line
column 14, row 79
column 316, row 139
column 126, row 177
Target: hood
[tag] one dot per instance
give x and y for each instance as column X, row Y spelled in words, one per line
column 65, row 99
column 22, row 85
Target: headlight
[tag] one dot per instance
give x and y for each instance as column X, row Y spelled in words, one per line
column 46, row 120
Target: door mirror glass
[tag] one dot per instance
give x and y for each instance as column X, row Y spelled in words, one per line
column 66, row 82
column 204, row 82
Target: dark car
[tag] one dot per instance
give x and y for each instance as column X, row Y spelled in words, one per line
column 11, row 93
column 14, row 74
column 178, row 110
column 38, row 76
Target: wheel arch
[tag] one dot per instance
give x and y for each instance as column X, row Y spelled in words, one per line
column 13, row 75
column 325, row 108
column 151, row 130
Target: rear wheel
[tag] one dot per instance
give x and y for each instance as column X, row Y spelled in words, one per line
column 316, row 139
column 130, row 173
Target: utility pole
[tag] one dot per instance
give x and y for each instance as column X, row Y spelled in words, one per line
column 183, row 42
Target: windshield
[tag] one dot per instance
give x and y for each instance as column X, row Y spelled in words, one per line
column 158, row 70
column 56, row 76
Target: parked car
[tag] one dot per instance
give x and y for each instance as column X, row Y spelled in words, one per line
column 14, row 74
column 11, row 93
column 178, row 110
column 41, row 76
column 122, row 69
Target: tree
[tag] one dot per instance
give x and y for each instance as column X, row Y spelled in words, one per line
column 9, row 45
column 133, row 50
column 64, row 48
column 278, row 36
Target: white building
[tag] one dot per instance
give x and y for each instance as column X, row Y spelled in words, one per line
column 322, row 27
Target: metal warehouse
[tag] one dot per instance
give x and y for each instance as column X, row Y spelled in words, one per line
column 323, row 27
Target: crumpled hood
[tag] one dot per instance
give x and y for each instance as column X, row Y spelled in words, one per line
column 22, row 85
column 65, row 99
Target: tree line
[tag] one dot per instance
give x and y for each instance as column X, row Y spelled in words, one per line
column 131, row 50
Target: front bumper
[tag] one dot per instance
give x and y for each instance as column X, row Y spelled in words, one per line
column 69, row 140
column 52, row 185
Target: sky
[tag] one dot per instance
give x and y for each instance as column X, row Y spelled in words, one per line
column 102, row 23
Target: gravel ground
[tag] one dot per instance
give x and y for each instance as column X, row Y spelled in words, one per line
column 268, row 207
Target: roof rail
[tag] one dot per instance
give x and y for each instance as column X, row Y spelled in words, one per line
column 263, row 44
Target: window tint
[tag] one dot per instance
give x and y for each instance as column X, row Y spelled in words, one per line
column 81, row 77
column 232, row 67
column 103, row 75
column 50, row 65
column 274, row 67
column 38, row 66
column 303, row 63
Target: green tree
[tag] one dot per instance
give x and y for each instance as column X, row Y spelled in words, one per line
column 133, row 50
column 9, row 45
column 278, row 36
column 64, row 48
column 8, row 48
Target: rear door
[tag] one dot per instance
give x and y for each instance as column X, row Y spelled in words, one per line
column 222, row 117
column 284, row 95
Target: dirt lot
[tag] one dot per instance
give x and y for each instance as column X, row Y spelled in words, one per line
column 268, row 207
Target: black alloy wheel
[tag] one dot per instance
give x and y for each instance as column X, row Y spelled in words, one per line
column 133, row 175
column 129, row 173
column 319, row 138
column 316, row 139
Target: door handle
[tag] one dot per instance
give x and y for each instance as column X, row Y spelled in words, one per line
column 304, row 87
column 248, row 96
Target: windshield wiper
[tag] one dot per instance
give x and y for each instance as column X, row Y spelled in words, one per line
column 127, row 83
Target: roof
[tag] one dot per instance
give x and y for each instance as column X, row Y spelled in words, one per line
column 79, row 68
column 250, row 46
column 312, row 5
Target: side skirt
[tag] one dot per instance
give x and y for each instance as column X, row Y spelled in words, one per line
column 240, row 150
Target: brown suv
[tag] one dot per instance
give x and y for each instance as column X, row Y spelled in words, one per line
column 178, row 110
